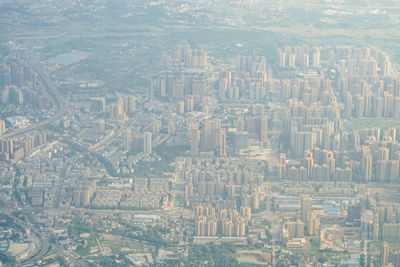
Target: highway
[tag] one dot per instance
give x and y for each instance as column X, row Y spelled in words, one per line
column 42, row 241
column 52, row 88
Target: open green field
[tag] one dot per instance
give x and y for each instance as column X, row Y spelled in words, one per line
column 111, row 244
column 119, row 244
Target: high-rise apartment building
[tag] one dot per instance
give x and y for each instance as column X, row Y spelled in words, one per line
column 147, row 142
column 306, row 208
column 211, row 132
column 384, row 254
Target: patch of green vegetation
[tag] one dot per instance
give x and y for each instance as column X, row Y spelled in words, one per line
column 146, row 169
column 131, row 64
column 121, row 241
column 157, row 168
column 7, row 260
column 84, row 250
column 212, row 255
column 315, row 244
column 170, row 152
column 151, row 235
column 78, row 226
column 106, row 163
column 116, row 248
column 112, row 261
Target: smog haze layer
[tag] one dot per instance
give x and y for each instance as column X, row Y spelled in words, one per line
column 199, row 133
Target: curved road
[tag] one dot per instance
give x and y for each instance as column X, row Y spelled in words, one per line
column 51, row 87
column 42, row 241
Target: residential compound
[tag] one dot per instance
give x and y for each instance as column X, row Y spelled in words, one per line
column 300, row 154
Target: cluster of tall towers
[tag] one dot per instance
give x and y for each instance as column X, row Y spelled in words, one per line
column 19, row 85
column 306, row 224
column 212, row 137
column 248, row 81
column 124, row 107
column 139, row 142
column 231, row 223
column 190, row 57
column 11, row 150
column 299, row 56
column 179, row 85
column 380, row 160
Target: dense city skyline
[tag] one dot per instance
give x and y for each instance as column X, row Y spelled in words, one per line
column 199, row 133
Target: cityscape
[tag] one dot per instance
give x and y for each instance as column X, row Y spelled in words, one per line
column 180, row 133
